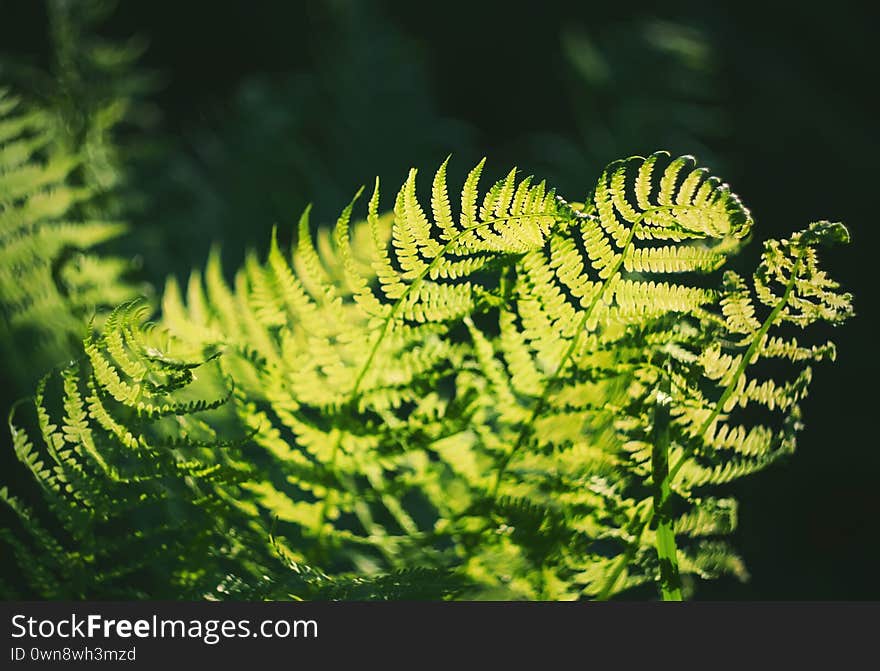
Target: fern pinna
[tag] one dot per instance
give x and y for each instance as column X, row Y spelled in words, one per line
column 525, row 398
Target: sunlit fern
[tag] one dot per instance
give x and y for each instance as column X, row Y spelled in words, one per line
column 527, row 398
column 346, row 358
column 612, row 386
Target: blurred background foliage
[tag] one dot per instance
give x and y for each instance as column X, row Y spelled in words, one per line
column 203, row 123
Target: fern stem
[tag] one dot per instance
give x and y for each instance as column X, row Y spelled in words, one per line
column 670, row 581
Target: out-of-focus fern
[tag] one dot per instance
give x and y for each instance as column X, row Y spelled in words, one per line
column 633, row 84
column 63, row 189
column 361, row 104
column 51, row 282
column 96, row 92
column 514, row 398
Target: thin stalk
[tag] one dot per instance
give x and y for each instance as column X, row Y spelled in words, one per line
column 670, row 581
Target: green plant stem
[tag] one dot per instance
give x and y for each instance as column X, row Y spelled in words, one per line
column 670, row 581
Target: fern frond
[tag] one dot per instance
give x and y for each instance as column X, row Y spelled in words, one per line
column 519, row 399
column 606, row 362
column 125, row 440
column 50, row 281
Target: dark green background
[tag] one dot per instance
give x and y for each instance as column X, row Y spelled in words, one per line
column 267, row 106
